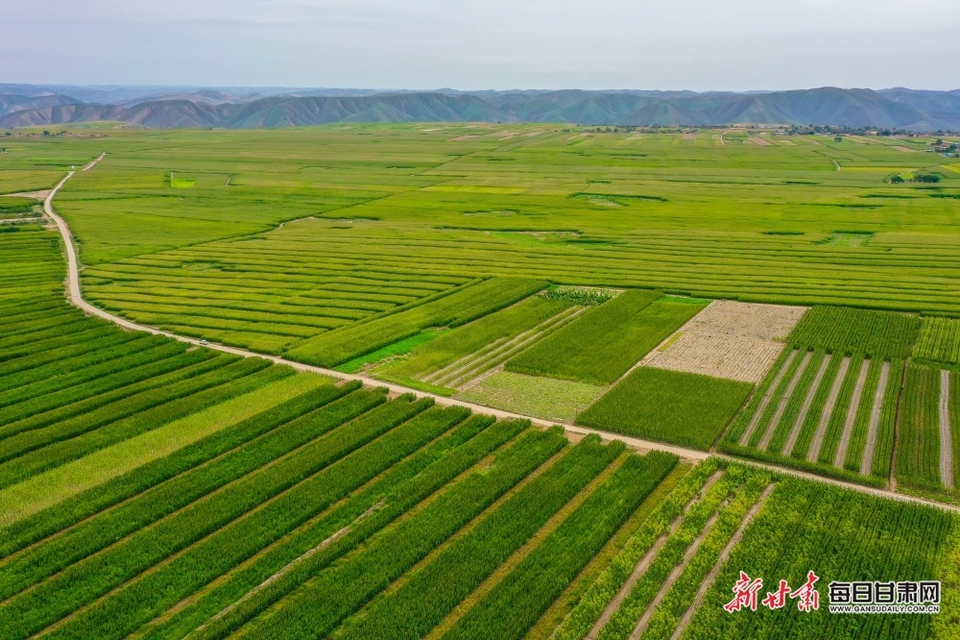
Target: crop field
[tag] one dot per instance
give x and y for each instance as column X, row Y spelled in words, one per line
column 726, row 292
column 670, row 406
column 928, row 450
column 602, row 345
column 674, row 575
column 728, row 339
column 939, row 341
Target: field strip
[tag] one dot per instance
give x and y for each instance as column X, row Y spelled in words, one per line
column 474, row 363
column 721, row 560
column 946, row 439
column 497, row 358
column 675, row 574
column 745, row 438
column 817, row 443
column 522, row 552
column 784, row 400
column 473, row 360
column 647, row 560
column 841, row 454
column 75, row 297
column 805, row 409
column 866, row 465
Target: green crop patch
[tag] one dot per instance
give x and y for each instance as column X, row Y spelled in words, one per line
column 547, row 398
column 605, row 341
column 399, row 348
column 668, row 406
column 463, row 305
column 876, row 334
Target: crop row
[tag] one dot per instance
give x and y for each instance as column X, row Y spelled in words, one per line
column 939, row 340
column 471, row 338
column 317, row 606
column 822, row 413
column 598, row 595
column 88, row 378
column 308, row 551
column 245, row 444
column 515, row 604
column 844, row 331
column 669, row 406
column 454, row 309
column 436, row 588
column 158, row 501
column 833, row 532
column 605, row 341
column 668, row 614
column 918, row 437
column 185, row 366
column 95, row 575
column 696, row 519
column 136, row 603
column 43, row 449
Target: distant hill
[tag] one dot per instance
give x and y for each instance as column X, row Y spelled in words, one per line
column 247, row 108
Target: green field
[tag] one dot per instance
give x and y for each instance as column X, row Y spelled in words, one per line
column 151, row 488
column 681, row 408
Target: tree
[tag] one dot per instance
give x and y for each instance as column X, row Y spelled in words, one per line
column 838, row 139
column 897, row 180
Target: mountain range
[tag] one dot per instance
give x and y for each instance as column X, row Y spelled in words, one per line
column 165, row 107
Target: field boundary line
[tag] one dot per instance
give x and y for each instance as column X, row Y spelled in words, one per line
column 946, row 436
column 814, row 452
column 75, row 297
column 852, row 410
column 648, row 558
column 721, row 560
column 866, row 464
column 767, row 397
column 784, row 401
column 805, row 408
column 676, row 572
column 529, row 545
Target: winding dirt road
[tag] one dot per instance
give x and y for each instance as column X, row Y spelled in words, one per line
column 75, row 297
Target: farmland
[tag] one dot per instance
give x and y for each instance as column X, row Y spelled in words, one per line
column 154, row 488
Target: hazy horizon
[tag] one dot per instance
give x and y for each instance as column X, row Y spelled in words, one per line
column 695, row 45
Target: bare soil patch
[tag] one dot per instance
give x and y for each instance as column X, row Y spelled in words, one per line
column 903, row 149
column 732, row 340
column 761, row 142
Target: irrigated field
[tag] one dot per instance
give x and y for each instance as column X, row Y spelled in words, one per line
column 151, row 488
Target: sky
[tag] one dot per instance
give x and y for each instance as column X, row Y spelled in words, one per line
column 701, row 45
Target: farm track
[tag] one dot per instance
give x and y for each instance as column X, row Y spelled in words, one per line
column 814, row 453
column 866, row 465
column 75, row 297
column 721, row 560
column 805, row 408
column 946, row 439
column 784, row 400
column 844, row 445
column 762, row 407
column 646, row 561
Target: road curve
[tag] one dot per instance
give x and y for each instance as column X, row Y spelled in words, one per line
column 75, row 297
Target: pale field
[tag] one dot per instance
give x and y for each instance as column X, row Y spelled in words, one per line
column 732, row 340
